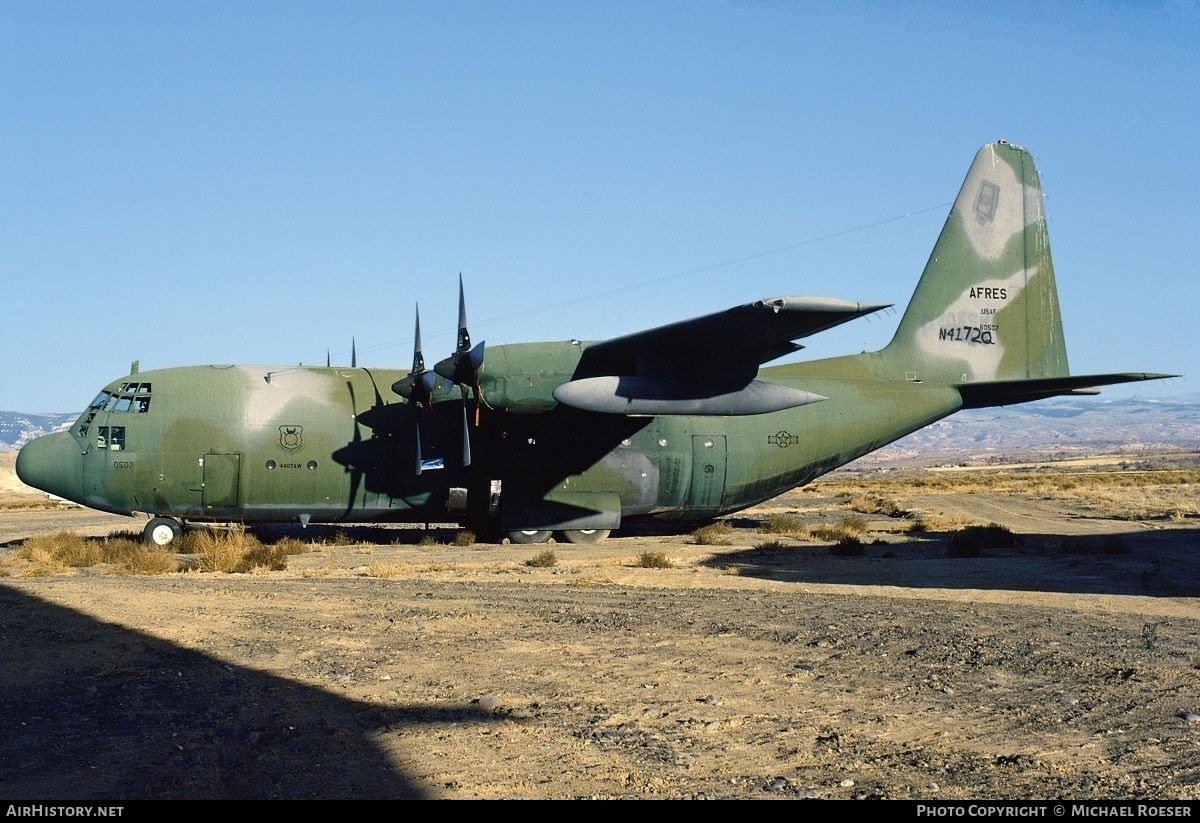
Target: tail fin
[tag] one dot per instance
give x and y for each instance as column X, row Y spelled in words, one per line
column 986, row 307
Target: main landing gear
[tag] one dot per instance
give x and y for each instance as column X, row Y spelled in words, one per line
column 530, row 536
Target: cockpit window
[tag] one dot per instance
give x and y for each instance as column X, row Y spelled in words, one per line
column 129, row 398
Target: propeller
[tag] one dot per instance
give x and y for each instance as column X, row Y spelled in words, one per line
column 462, row 367
column 417, row 385
column 353, row 355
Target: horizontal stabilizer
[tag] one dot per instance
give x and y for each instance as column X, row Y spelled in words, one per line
column 657, row 396
column 1007, row 392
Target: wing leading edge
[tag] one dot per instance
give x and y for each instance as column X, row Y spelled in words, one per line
column 707, row 365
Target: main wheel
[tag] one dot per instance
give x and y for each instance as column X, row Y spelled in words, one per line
column 585, row 535
column 526, row 536
column 162, row 531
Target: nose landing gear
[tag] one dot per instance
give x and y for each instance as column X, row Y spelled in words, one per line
column 162, row 531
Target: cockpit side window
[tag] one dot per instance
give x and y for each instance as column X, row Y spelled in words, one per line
column 111, row 438
column 89, row 414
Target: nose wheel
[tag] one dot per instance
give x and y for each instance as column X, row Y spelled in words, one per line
column 162, row 531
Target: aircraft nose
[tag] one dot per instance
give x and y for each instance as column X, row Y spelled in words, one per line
column 52, row 463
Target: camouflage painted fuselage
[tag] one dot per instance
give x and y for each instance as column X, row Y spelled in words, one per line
column 221, row 443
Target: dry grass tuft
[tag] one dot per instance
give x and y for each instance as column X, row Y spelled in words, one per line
column 232, row 550
column 56, row 553
column 132, row 556
column 428, row 541
column 463, row 539
column 543, row 560
column 28, row 503
column 784, row 524
column 771, row 546
column 653, row 560
column 66, row 549
column 292, row 546
column 386, row 570
column 851, row 525
column 714, row 534
column 873, row 504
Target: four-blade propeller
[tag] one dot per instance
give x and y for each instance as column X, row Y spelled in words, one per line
column 462, row 368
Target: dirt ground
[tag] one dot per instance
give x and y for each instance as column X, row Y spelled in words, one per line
column 755, row 669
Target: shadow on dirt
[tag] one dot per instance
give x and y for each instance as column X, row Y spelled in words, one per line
column 90, row 710
column 1155, row 563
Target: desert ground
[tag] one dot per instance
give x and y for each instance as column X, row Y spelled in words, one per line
column 765, row 660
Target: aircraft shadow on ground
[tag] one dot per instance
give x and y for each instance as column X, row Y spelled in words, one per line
column 1155, row 563
column 90, row 710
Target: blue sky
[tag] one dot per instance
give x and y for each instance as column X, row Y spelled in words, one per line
column 257, row 182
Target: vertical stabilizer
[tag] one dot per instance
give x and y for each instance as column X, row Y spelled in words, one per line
column 986, row 307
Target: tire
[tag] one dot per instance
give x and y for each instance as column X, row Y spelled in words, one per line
column 528, row 536
column 162, row 532
column 585, row 535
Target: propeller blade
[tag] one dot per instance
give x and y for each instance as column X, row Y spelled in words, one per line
column 464, row 336
column 466, row 431
column 353, row 355
column 418, row 357
column 418, row 384
column 420, row 453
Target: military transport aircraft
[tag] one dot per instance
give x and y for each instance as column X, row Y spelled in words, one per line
column 678, row 423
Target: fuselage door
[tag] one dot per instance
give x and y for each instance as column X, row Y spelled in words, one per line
column 708, row 472
column 221, row 480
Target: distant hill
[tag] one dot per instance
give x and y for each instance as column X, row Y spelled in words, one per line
column 1056, row 428
column 18, row 428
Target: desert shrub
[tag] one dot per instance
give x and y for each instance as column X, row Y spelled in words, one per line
column 851, row 525
column 782, row 524
column 130, row 555
column 428, row 540
column 847, row 547
column 290, row 546
column 872, row 504
column 260, row 557
column 385, row 570
column 66, row 549
column 973, row 540
column 232, row 550
column 653, row 560
column 770, row 546
column 463, row 539
column 714, row 534
column 543, row 560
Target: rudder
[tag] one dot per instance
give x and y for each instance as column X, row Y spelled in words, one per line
column 986, row 307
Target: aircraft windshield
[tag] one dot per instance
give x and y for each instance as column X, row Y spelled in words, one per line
column 129, row 398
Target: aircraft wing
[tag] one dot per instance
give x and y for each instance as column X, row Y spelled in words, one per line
column 706, row 365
